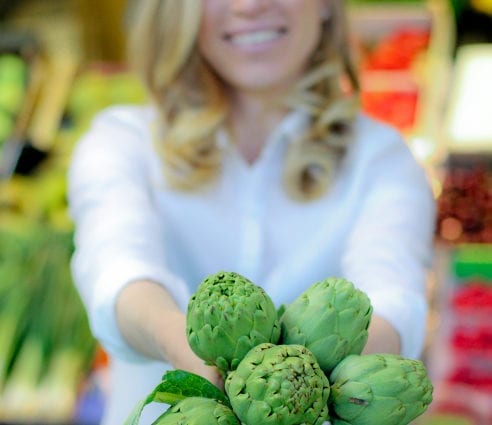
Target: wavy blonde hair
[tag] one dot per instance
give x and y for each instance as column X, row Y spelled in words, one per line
column 193, row 106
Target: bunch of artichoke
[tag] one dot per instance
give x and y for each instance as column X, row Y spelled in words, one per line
column 279, row 385
column 330, row 318
column 198, row 411
column 302, row 369
column 226, row 317
column 377, row 389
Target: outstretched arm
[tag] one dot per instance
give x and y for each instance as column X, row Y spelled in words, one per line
column 152, row 324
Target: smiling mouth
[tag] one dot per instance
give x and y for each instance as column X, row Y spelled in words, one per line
column 255, row 37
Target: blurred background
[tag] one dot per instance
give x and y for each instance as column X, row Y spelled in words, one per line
column 426, row 69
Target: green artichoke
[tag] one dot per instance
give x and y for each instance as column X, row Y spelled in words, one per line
column 226, row 317
column 330, row 318
column 198, row 411
column 279, row 385
column 382, row 389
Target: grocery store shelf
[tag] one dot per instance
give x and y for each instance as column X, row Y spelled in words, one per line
column 414, row 91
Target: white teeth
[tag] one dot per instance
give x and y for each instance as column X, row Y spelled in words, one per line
column 254, row 37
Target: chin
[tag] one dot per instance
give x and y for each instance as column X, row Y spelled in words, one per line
column 260, row 81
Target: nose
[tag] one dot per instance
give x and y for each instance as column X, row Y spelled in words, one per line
column 249, row 8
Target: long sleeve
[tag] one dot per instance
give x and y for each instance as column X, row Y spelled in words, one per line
column 390, row 247
column 119, row 235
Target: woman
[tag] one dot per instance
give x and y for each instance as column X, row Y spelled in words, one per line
column 254, row 158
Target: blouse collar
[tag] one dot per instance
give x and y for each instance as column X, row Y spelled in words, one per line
column 291, row 127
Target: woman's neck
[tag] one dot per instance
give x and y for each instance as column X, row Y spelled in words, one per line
column 252, row 120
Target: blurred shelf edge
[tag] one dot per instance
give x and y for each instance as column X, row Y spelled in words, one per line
column 426, row 140
column 468, row 124
column 46, row 118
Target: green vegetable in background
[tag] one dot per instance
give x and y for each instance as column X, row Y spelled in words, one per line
column 46, row 346
column 13, row 69
column 226, row 317
column 198, row 411
column 6, row 125
column 279, row 385
column 330, row 318
column 379, row 389
column 13, row 73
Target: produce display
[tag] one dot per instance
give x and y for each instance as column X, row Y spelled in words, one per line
column 465, row 205
column 471, row 335
column 397, row 108
column 399, row 50
column 47, row 353
column 45, row 343
column 52, row 370
column 461, row 356
column 296, row 364
column 394, row 96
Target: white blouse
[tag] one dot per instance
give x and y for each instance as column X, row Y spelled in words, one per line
column 374, row 227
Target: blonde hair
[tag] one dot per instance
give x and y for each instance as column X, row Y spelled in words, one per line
column 193, row 106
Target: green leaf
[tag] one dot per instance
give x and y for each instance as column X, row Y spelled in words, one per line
column 177, row 385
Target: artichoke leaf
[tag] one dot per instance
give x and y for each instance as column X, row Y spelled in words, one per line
column 198, row 411
column 339, row 422
column 281, row 310
column 354, row 366
column 350, row 399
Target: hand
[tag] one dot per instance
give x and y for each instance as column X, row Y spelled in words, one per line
column 181, row 356
column 152, row 323
column 190, row 362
